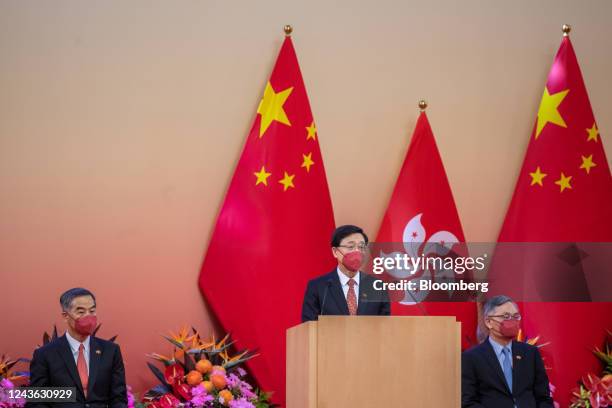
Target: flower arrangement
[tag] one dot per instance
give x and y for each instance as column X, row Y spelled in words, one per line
column 202, row 374
column 594, row 391
column 8, row 380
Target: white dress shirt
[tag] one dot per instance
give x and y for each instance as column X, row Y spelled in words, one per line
column 74, row 347
column 345, row 286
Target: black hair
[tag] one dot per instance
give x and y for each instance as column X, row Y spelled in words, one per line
column 344, row 231
column 69, row 295
column 493, row 302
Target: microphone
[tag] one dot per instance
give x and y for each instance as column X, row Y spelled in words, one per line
column 327, row 285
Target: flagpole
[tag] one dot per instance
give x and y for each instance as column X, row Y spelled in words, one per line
column 422, row 105
column 566, row 30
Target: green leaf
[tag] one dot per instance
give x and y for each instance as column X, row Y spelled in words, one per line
column 189, row 363
column 157, row 373
column 176, row 343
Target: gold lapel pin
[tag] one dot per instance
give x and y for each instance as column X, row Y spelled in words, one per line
column 518, row 357
column 98, row 352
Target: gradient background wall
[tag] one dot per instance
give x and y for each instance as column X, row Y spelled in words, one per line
column 121, row 123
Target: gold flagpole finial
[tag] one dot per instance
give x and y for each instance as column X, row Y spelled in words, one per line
column 566, row 30
column 288, row 30
column 422, row 105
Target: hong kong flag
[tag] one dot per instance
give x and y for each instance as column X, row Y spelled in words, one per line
column 422, row 221
column 272, row 234
column 562, row 200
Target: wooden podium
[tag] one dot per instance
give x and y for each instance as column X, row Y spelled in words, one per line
column 374, row 361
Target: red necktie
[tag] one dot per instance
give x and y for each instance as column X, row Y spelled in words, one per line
column 351, row 298
column 82, row 367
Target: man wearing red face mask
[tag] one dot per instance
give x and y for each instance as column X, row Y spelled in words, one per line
column 77, row 359
column 501, row 372
column 345, row 290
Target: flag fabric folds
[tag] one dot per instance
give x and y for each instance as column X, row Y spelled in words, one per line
column 422, row 217
column 563, row 195
column 272, row 233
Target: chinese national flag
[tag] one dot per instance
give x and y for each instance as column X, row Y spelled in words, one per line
column 563, row 195
column 272, row 234
column 422, row 212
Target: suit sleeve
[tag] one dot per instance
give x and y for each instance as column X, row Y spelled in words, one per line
column 311, row 308
column 541, row 389
column 39, row 376
column 118, row 397
column 470, row 397
column 385, row 307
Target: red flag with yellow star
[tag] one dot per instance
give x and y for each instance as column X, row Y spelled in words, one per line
column 272, row 234
column 563, row 195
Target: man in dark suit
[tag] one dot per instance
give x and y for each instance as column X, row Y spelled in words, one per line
column 77, row 359
column 500, row 372
column 345, row 290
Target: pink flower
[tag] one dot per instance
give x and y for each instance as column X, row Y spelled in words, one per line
column 241, row 403
column 200, row 397
column 233, row 381
column 130, row 397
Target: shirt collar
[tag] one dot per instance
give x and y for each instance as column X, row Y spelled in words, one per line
column 74, row 343
column 344, row 279
column 498, row 347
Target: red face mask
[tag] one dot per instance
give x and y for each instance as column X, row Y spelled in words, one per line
column 509, row 328
column 352, row 260
column 86, row 325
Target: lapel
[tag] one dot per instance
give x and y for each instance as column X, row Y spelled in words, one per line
column 66, row 354
column 337, row 294
column 95, row 353
column 491, row 358
column 363, row 295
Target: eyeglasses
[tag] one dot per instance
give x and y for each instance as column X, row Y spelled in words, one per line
column 508, row 316
column 362, row 247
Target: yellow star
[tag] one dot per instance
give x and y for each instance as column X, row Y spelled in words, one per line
column 548, row 111
column 307, row 161
column 537, row 177
column 262, row 176
column 312, row 132
column 564, row 182
column 587, row 163
column 271, row 108
column 593, row 132
column 287, row 181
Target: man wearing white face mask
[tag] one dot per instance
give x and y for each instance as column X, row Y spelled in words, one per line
column 502, row 372
column 92, row 365
column 345, row 290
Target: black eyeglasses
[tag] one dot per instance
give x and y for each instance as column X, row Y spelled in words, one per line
column 362, row 247
column 508, row 316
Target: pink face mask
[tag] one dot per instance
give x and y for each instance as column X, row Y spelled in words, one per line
column 86, row 325
column 509, row 328
column 352, row 261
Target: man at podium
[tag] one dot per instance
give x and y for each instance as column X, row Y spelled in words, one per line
column 500, row 372
column 345, row 290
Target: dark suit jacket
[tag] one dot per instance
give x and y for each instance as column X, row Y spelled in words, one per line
column 53, row 365
column 483, row 383
column 324, row 296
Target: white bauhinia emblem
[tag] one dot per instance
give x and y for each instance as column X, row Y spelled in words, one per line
column 416, row 245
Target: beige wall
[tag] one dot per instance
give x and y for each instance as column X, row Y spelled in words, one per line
column 121, row 122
